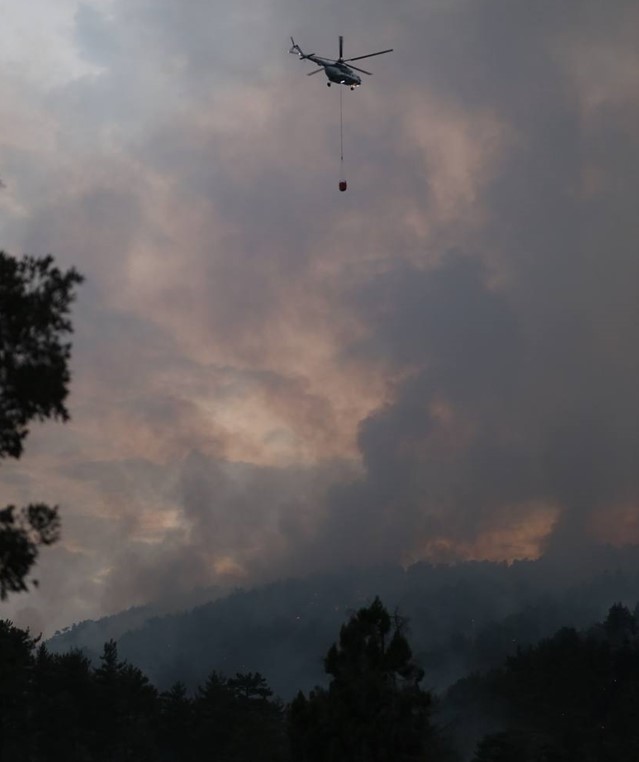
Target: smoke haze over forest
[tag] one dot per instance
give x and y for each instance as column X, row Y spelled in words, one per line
column 271, row 378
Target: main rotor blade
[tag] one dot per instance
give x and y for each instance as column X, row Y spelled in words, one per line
column 317, row 71
column 369, row 55
column 341, row 46
column 362, row 70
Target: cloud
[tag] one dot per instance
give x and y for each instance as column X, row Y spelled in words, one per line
column 271, row 377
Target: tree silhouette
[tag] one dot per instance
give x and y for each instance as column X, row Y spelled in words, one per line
column 237, row 719
column 175, row 732
column 66, row 716
column 258, row 733
column 620, row 625
column 249, row 687
column 35, row 299
column 16, row 666
column 126, row 707
column 573, row 696
column 374, row 709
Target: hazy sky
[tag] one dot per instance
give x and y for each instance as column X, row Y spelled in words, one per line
column 272, row 377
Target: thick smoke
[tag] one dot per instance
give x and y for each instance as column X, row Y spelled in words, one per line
column 272, row 377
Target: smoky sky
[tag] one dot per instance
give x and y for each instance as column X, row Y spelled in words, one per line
column 271, row 377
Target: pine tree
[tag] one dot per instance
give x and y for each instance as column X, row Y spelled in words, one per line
column 176, row 724
column 126, row 704
column 374, row 709
column 16, row 681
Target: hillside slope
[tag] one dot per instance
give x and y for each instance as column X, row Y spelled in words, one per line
column 463, row 617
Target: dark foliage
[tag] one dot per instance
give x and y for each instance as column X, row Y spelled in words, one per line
column 238, row 719
column 22, row 532
column 374, row 709
column 57, row 707
column 463, row 618
column 574, row 696
column 35, row 298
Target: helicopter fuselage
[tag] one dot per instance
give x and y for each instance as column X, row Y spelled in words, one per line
column 341, row 74
column 337, row 72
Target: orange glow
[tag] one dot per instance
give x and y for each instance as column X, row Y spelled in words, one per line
column 522, row 540
column 225, row 566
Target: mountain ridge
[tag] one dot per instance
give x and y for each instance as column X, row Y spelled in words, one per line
column 463, row 616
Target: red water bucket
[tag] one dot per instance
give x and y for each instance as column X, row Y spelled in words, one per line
column 343, row 185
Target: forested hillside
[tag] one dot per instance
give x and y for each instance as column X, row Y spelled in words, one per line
column 573, row 696
column 462, row 618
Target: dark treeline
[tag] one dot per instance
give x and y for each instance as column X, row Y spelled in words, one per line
column 463, row 618
column 59, row 707
column 572, row 696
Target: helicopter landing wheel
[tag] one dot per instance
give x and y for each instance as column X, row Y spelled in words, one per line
column 328, row 84
column 352, row 87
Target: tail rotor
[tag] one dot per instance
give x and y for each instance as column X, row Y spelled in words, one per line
column 296, row 50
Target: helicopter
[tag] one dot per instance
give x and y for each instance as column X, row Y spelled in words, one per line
column 336, row 69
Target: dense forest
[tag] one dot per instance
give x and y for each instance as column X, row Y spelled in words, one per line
column 571, row 696
column 463, row 618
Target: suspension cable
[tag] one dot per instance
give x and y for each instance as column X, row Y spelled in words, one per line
column 341, row 131
column 343, row 185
